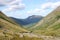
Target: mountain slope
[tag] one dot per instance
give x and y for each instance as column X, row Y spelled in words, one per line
column 3, row 16
column 8, row 26
column 50, row 25
column 54, row 29
column 48, row 20
column 9, row 30
column 8, row 23
column 55, row 26
column 29, row 20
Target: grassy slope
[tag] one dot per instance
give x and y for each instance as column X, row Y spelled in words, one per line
column 8, row 22
column 50, row 25
column 52, row 30
column 9, row 30
column 9, row 26
column 3, row 16
column 55, row 26
column 29, row 26
column 48, row 20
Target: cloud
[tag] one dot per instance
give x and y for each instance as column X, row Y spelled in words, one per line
column 52, row 0
column 5, row 2
column 12, row 5
column 50, row 5
column 15, row 2
column 15, row 7
column 36, row 11
column 45, row 7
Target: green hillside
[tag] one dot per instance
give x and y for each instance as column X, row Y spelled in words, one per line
column 3, row 16
column 48, row 20
column 52, row 30
column 8, row 26
column 7, row 22
column 50, row 25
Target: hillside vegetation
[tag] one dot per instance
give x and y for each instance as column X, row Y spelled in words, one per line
column 50, row 25
column 10, row 30
column 6, row 22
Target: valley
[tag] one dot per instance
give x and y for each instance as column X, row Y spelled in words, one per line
column 37, row 27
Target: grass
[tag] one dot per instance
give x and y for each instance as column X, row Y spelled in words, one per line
column 16, row 36
column 52, row 30
column 50, row 25
column 9, row 30
column 48, row 20
column 3, row 16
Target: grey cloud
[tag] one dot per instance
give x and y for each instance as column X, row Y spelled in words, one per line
column 12, row 5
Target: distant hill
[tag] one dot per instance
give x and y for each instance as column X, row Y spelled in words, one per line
column 50, row 24
column 29, row 20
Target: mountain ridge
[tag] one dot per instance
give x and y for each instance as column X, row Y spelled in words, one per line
column 29, row 20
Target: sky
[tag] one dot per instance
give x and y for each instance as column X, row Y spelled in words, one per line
column 25, row 8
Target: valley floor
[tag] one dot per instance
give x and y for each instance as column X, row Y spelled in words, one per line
column 31, row 35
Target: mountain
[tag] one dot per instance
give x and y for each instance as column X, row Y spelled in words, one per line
column 33, row 19
column 10, row 30
column 29, row 20
column 46, row 29
column 51, row 21
column 8, row 22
